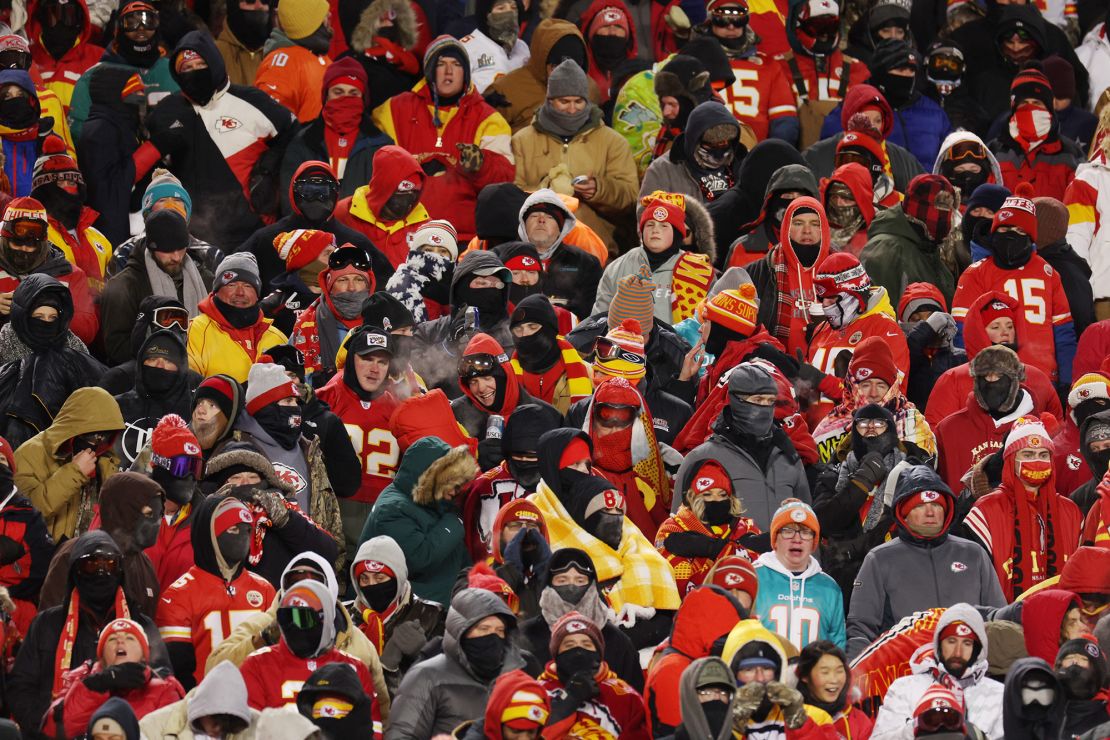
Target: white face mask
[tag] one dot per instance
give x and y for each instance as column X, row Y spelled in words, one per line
column 843, row 312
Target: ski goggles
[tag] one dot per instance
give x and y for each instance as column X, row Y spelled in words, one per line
column 475, row 366
column 871, row 425
column 302, row 617
column 24, row 231
column 349, row 256
column 15, row 59
column 967, row 150
column 316, row 188
column 180, row 466
column 615, row 415
column 940, row 719
column 137, row 19
column 168, row 317
column 733, row 16
column 607, row 349
column 946, row 64
column 98, row 564
column 1021, row 34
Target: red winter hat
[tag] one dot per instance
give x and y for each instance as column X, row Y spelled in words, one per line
column 55, row 164
column 1018, row 211
column 172, row 437
column 7, row 453
column 230, row 513
column 735, row 571
column 123, row 625
column 711, row 475
column 937, row 696
column 372, row 566
column 573, row 623
column 957, row 629
column 996, row 310
column 298, row 248
column 482, row 576
column 665, row 212
column 873, row 359
column 576, row 450
column 841, row 272
column 911, row 502
column 610, row 15
column 346, row 71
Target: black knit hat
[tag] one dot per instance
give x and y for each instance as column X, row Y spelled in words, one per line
column 166, row 231
column 893, row 54
column 1091, row 651
column 535, row 308
column 497, row 212
column 385, row 310
column 524, row 427
column 289, row 357
column 566, row 558
column 585, row 498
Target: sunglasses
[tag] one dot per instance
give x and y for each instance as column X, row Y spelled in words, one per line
column 98, row 565
column 180, row 466
column 615, row 416
column 24, row 231
column 1020, row 33
column 940, row 719
column 303, row 617
column 349, row 257
column 316, row 188
column 167, row 317
column 726, row 17
column 473, row 366
column 15, row 59
column 139, row 19
column 607, row 349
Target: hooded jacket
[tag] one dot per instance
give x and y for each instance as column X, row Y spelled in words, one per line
column 216, row 347
column 757, row 237
column 23, row 523
column 440, row 693
column 59, row 75
column 694, row 722
column 961, row 137
column 518, row 95
column 816, row 614
column 1042, row 615
column 143, row 407
column 221, row 692
column 120, row 377
column 928, row 363
column 418, row 511
column 896, row 576
column 897, row 254
column 1049, row 168
column 221, row 168
column 46, row 475
column 1019, row 720
column 86, row 316
column 858, row 181
column 982, row 696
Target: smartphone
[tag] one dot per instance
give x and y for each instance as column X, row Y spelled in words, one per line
column 580, row 180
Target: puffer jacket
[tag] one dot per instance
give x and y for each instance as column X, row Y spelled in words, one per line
column 46, row 475
column 1088, row 202
column 440, row 693
column 1049, row 168
column 215, row 346
column 60, row 75
column 1094, row 52
column 897, row 255
column 418, row 511
column 982, row 696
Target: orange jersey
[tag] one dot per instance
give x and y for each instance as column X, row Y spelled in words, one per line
column 761, row 93
column 202, row 609
column 294, row 76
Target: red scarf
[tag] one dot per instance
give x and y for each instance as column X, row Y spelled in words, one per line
column 1032, row 512
column 341, row 120
column 373, row 625
column 1030, row 126
column 63, row 655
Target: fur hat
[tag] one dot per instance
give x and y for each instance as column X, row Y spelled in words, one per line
column 440, row 480
column 683, row 77
column 997, row 359
column 244, row 456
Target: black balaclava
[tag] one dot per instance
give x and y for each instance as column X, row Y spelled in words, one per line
column 66, row 207
column 748, row 418
column 139, row 55
column 318, row 41
column 19, row 112
column 965, row 180
column 98, row 591
column 1082, row 684
column 973, row 228
column 178, row 490
column 251, row 27
column 45, row 334
column 569, row 46
column 1011, row 249
column 60, row 37
column 310, row 198
column 379, row 596
column 607, row 526
column 994, row 396
column 490, row 302
column 283, row 423
column 147, row 527
column 884, row 443
column 400, row 204
column 485, row 654
column 604, row 525
column 304, row 643
column 537, row 352
column 1096, row 430
column 523, row 429
column 339, row 681
column 235, row 547
column 198, row 84
column 157, row 381
column 577, row 662
column 719, row 337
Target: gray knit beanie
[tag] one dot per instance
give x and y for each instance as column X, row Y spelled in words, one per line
column 567, row 80
column 241, row 266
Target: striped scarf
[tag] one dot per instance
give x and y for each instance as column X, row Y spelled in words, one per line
column 570, row 364
column 691, row 572
column 784, row 317
column 63, row 655
column 690, row 280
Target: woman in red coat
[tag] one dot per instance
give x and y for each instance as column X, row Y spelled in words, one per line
column 825, row 680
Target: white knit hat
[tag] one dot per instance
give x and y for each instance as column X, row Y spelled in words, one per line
column 437, row 233
column 267, row 383
column 1090, row 385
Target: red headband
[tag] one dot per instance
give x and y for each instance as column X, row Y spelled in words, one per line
column 232, row 516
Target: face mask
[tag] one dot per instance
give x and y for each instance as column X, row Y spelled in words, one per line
column 571, row 594
column 484, row 654
column 18, row 113
column 157, row 380
column 843, row 312
column 399, row 205
column 576, row 662
column 748, row 418
column 349, row 305
column 234, row 547
column 252, row 27
column 993, row 395
column 503, row 27
column 899, row 90
column 490, row 302
column 197, row 85
column 842, row 216
column 343, row 115
column 713, row 158
column 178, row 490
column 1030, row 125
column 66, row 207
column 316, row 211
column 806, row 253
column 609, row 51
column 239, row 318
column 1078, row 682
column 283, row 423
column 966, row 181
column 537, row 352
column 718, row 513
column 1100, row 461
column 98, row 590
column 318, row 42
column 608, row 528
column 716, row 712
column 42, row 334
column 146, row 529
column 518, row 293
column 1034, row 473
column 304, row 643
column 1011, row 249
column 970, row 225
column 379, row 596
column 59, row 39
column 569, row 476
column 527, row 474
column 23, row 262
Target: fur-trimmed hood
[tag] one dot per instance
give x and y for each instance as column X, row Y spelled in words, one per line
column 705, row 235
column 404, row 18
column 245, row 454
column 431, row 469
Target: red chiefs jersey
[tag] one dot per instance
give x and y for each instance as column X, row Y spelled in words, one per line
column 760, row 94
column 202, row 609
column 1037, row 289
column 367, row 422
column 274, row 677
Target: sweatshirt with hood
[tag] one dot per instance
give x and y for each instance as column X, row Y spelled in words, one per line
column 758, row 235
column 802, row 607
column 1028, row 722
column 572, row 276
column 221, row 692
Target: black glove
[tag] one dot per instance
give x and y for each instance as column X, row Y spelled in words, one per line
column 406, row 641
column 784, row 362
column 693, row 545
column 580, row 688
column 807, row 372
column 490, row 454
column 871, row 472
column 272, row 304
column 10, row 550
column 463, row 326
column 117, row 678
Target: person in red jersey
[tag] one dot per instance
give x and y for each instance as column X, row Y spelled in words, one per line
column 201, row 608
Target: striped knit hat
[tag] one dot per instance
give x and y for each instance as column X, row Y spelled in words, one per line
column 267, row 383
column 1088, row 387
column 634, row 299
column 300, row 247
column 1018, row 211
column 1028, row 431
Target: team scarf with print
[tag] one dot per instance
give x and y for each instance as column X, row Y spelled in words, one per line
column 63, row 654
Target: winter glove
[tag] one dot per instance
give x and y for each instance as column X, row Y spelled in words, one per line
column 10, row 550
column 943, row 325
column 272, row 304
column 470, row 157
column 463, row 325
column 748, row 698
column 521, row 559
column 490, row 454
column 784, row 362
column 793, row 707
column 272, row 634
column 497, row 100
column 807, row 372
column 630, row 613
column 871, row 472
column 117, row 678
column 273, row 503
column 405, row 642
column 693, row 545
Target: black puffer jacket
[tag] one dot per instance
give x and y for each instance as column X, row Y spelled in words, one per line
column 344, row 466
column 33, row 389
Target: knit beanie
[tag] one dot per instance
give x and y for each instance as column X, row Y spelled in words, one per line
column 299, row 19
column 709, row 476
column 1088, row 387
column 1030, row 82
column 609, row 15
column 873, row 359
column 1052, row 220
column 238, row 267
column 527, row 708
column 522, row 510
column 385, row 310
column 483, row 577
column 794, row 511
column 535, row 308
column 55, row 164
column 111, row 83
column 166, row 231
column 345, row 71
column 667, row 212
column 893, row 54
column 445, row 45
column 569, row 46
column 634, row 299
column 568, row 81
column 123, row 625
column 1017, row 211
column 230, row 512
column 163, row 184
column 1089, row 648
column 911, row 502
column 172, row 438
column 166, row 345
column 588, row 495
column 573, row 623
column 736, row 310
column 1027, row 432
column 25, row 208
column 300, row 247
column 683, row 77
column 988, row 195
column 267, row 383
column 219, row 391
column 937, row 696
column 735, row 571
column 1061, row 76
column 519, row 256
column 993, row 310
column 289, row 357
column 437, row 233
column 630, row 341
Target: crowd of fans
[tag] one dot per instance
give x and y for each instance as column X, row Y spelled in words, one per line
column 518, row 369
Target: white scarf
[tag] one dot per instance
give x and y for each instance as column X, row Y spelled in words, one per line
column 162, row 284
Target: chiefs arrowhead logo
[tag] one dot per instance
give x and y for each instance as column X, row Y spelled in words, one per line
column 290, row 476
column 958, row 567
column 227, row 123
column 1003, row 215
column 659, row 214
column 1074, row 462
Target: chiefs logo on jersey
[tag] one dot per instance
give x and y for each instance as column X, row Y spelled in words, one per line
column 290, row 476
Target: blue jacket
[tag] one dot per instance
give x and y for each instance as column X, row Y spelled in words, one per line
column 802, row 608
column 919, row 127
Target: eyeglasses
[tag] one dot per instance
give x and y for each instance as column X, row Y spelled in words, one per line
column 790, row 532
column 15, row 59
column 349, row 256
column 615, row 416
column 24, row 231
column 607, row 349
column 98, row 564
column 315, row 188
column 167, row 317
column 735, row 17
column 303, row 617
column 179, row 466
column 940, row 719
column 139, row 19
column 871, row 425
column 473, row 366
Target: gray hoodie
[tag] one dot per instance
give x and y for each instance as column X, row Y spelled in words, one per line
column 222, row 691
column 703, row 671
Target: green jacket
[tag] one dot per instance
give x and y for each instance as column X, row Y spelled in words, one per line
column 157, row 79
column 896, row 254
column 418, row 511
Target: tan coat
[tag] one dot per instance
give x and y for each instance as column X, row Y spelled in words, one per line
column 242, row 63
